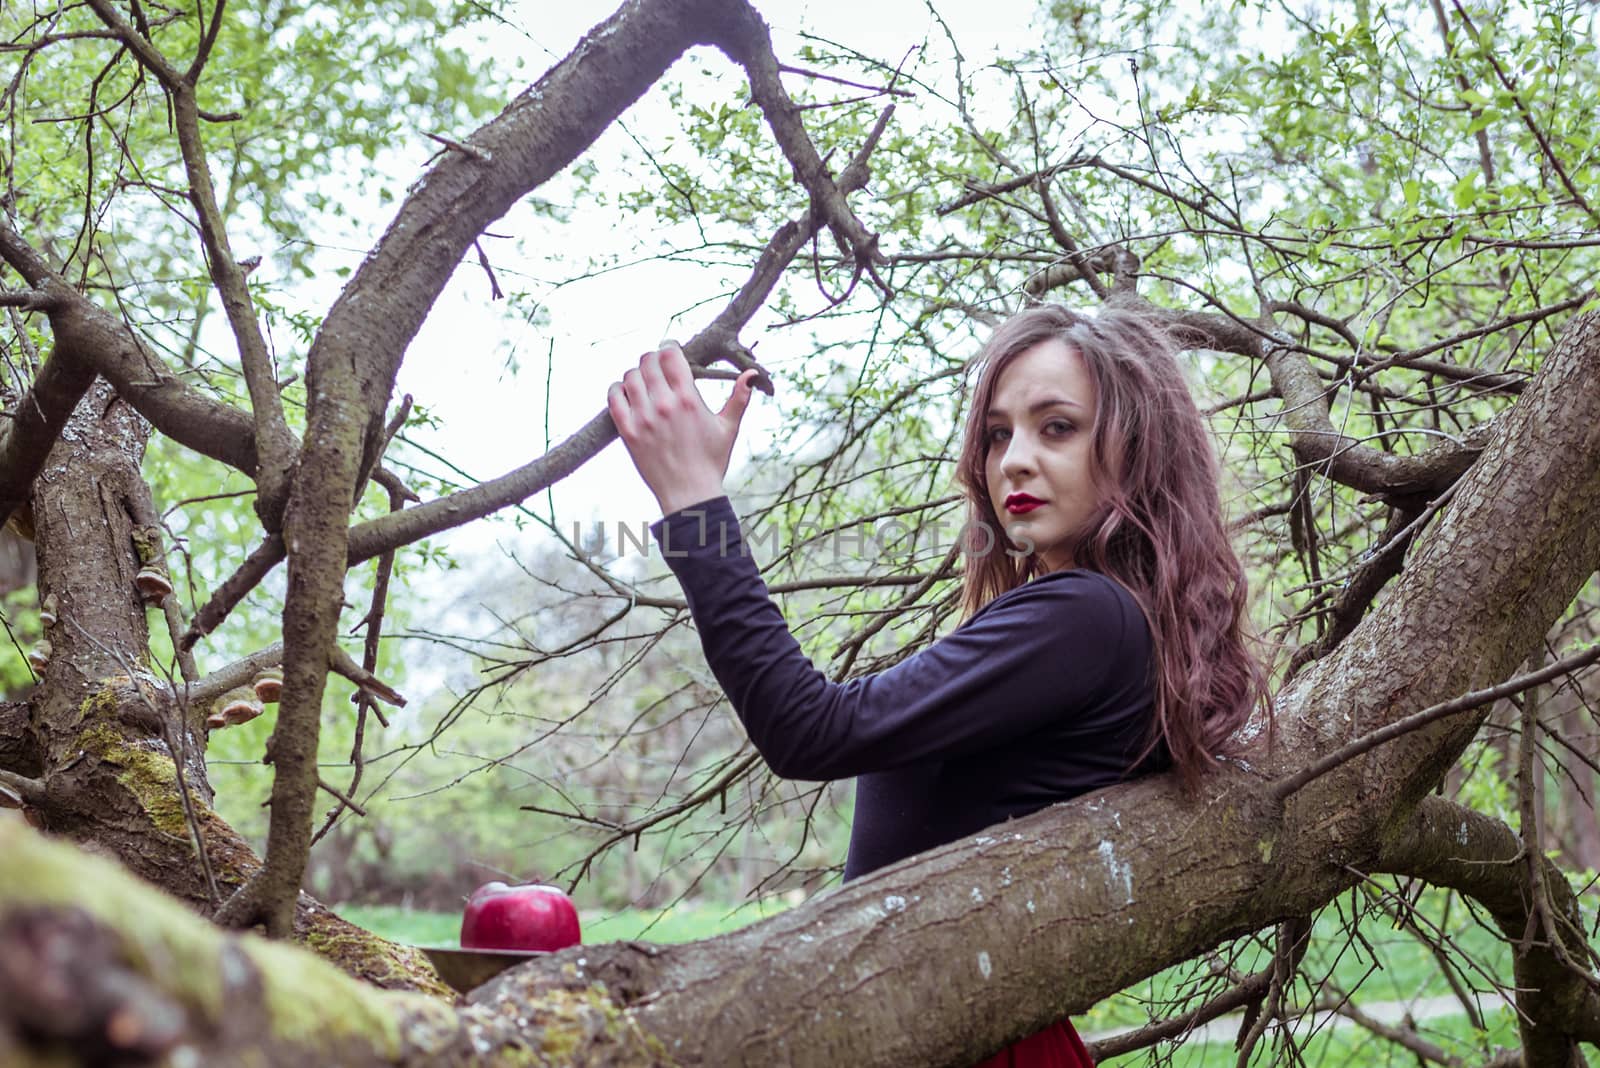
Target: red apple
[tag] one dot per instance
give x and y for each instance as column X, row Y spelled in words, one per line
column 519, row 917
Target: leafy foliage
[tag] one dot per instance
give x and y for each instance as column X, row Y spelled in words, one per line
column 1396, row 196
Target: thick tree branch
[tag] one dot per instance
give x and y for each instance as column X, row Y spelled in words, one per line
column 233, row 675
column 28, row 299
column 718, row 341
column 1258, row 863
column 27, row 438
column 1317, row 443
column 1449, row 845
column 744, row 37
column 1163, row 875
column 275, row 443
column 97, row 338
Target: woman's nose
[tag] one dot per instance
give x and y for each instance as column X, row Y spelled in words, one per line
column 1018, row 456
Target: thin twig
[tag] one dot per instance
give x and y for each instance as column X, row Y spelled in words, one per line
column 1283, row 788
column 340, row 662
column 465, row 149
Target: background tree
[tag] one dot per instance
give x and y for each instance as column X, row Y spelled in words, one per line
column 1373, row 238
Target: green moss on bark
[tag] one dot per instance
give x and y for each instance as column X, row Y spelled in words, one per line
column 276, row 1002
column 313, row 1004
column 357, row 951
column 148, row 775
column 309, row 1002
column 162, row 940
column 99, row 708
column 153, row 780
column 573, row 1019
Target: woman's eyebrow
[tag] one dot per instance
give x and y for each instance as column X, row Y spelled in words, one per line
column 1037, row 406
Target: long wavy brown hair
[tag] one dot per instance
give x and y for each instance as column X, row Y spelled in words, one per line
column 1158, row 528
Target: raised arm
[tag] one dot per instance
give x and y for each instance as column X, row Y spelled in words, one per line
column 1067, row 653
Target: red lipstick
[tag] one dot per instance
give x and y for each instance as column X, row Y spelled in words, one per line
column 1022, row 503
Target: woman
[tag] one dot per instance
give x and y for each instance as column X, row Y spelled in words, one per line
column 1104, row 635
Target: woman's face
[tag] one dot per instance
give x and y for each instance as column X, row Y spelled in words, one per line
column 1039, row 467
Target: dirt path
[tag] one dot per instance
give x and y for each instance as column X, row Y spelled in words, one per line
column 1226, row 1028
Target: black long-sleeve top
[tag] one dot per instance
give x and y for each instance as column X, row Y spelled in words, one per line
column 1045, row 693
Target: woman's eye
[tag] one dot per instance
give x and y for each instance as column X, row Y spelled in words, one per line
column 1058, row 426
column 998, row 434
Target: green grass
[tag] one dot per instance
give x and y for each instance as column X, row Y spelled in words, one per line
column 1385, row 964
column 1341, row 1046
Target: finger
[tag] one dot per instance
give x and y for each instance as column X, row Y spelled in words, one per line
column 733, row 411
column 655, row 383
column 621, row 413
column 635, row 390
column 675, row 366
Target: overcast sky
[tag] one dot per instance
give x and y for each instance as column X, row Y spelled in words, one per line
column 493, row 420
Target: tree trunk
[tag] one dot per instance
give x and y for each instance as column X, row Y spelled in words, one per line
column 100, row 731
column 943, row 958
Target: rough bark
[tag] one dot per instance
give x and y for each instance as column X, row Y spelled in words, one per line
column 101, row 728
column 40, row 415
column 939, row 960
column 353, row 360
column 93, row 336
column 19, row 749
column 1448, row 845
column 947, row 956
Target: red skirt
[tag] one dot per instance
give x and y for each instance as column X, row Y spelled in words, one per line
column 1057, row 1046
